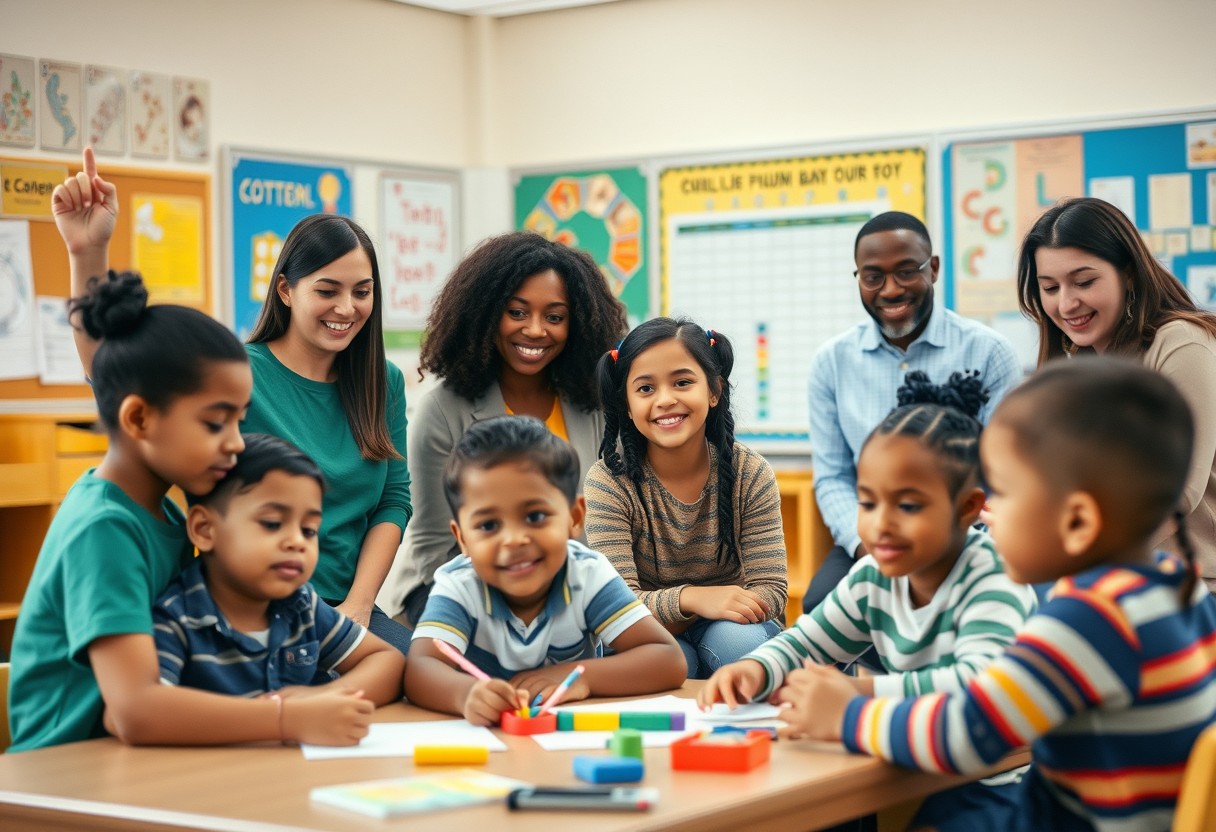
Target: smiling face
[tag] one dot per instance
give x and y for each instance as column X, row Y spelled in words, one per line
column 194, row 441
column 901, row 312
column 514, row 524
column 907, row 518
column 534, row 325
column 262, row 544
column 1084, row 295
column 668, row 395
column 330, row 306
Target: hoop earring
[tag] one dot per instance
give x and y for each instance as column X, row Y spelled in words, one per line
column 1131, row 299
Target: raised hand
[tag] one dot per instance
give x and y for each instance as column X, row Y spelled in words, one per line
column 85, row 208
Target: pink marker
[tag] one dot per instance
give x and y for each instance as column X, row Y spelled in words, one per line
column 464, row 664
column 562, row 688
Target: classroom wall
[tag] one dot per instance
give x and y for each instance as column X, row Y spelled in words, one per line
column 365, row 79
column 645, row 77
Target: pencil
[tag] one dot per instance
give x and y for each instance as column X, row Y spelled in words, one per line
column 464, row 664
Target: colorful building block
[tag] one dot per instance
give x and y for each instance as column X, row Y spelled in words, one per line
column 513, row 723
column 608, row 769
column 626, row 742
column 596, row 721
column 730, row 751
column 657, row 721
column 449, row 755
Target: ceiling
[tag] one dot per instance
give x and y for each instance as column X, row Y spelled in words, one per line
column 500, row 8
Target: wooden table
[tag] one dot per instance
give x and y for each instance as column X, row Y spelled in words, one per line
column 103, row 784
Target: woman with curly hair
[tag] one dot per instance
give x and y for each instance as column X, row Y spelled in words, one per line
column 517, row 328
column 1088, row 280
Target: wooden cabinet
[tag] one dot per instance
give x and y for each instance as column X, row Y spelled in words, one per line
column 40, row 457
column 807, row 539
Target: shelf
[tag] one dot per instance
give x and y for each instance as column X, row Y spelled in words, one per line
column 8, row 610
column 26, row 484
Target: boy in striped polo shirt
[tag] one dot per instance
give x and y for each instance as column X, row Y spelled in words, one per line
column 242, row 619
column 1112, row 681
column 525, row 599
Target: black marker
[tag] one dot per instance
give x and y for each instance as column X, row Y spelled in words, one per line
column 615, row 799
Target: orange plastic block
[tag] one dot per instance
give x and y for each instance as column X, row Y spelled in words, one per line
column 721, row 752
column 513, row 723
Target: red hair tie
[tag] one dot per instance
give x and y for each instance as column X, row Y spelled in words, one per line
column 614, row 354
column 709, row 333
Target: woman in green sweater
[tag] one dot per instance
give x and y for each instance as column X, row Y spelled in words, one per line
column 321, row 381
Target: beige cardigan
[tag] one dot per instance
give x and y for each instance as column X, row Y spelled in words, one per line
column 1186, row 355
column 442, row 418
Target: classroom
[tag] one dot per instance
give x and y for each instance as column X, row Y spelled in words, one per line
column 800, row 179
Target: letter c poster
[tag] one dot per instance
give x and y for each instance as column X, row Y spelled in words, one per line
column 267, row 198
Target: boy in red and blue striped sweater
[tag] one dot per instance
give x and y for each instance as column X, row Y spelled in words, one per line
column 1113, row 680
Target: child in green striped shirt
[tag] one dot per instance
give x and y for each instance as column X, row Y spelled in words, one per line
column 931, row 595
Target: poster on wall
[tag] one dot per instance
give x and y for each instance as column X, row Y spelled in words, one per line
column 167, row 246
column 763, row 252
column 60, row 106
column 995, row 189
column 418, row 245
column 17, row 100
column 268, row 197
column 150, row 107
column 105, row 109
column 602, row 212
column 191, row 119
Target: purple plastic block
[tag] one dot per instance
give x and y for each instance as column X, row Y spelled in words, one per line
column 677, row 722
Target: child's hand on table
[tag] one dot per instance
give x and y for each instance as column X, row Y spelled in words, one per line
column 333, row 717
column 735, row 684
column 544, row 680
column 489, row 698
column 724, row 603
column 816, row 697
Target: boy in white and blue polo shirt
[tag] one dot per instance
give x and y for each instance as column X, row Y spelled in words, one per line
column 242, row 618
column 525, row 599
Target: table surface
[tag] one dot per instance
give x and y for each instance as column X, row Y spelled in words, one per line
column 103, row 784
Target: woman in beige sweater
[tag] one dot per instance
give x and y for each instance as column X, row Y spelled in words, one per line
column 1087, row 279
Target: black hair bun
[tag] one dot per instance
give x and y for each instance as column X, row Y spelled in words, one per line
column 112, row 305
column 962, row 391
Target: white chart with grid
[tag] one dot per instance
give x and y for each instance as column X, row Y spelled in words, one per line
column 779, row 283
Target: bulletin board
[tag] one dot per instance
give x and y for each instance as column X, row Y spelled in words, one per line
column 763, row 252
column 600, row 210
column 163, row 226
column 1160, row 171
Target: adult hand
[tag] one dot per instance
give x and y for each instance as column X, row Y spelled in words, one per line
column 359, row 612
column 85, row 208
column 727, row 603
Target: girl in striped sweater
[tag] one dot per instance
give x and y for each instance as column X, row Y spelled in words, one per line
column 1112, row 681
column 931, row 596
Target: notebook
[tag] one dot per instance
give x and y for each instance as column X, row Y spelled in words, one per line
column 424, row 793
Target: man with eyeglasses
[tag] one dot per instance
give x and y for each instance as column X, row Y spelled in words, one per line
column 855, row 375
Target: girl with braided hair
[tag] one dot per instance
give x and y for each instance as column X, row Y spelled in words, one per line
column 932, row 595
column 690, row 518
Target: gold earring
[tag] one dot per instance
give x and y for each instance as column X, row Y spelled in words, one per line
column 1131, row 299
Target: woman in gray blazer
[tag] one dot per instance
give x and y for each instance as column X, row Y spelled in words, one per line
column 517, row 328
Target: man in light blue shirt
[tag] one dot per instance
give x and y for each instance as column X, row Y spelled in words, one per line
column 854, row 376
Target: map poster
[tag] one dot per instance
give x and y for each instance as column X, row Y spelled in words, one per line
column 150, row 106
column 602, row 212
column 105, row 109
column 191, row 119
column 59, row 87
column 17, row 100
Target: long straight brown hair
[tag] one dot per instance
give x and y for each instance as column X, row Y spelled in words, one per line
column 313, row 244
column 1155, row 296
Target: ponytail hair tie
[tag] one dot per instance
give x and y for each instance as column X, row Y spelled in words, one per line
column 709, row 333
column 616, row 351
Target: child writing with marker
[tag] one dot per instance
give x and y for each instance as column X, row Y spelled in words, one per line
column 525, row 601
column 242, row 619
column 690, row 519
column 932, row 595
column 1113, row 680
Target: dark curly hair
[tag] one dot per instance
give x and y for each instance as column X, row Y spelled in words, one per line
column 462, row 328
column 713, row 352
column 944, row 418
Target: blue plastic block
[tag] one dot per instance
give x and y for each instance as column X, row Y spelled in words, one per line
column 608, row 769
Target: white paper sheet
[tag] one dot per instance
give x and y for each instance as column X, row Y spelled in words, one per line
column 18, row 341
column 397, row 739
column 720, row 714
column 58, row 362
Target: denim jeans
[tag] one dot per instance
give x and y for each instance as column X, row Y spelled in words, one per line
column 708, row 644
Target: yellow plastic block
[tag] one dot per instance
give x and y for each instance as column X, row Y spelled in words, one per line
column 596, row 721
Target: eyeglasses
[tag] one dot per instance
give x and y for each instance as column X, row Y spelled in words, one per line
column 906, row 278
